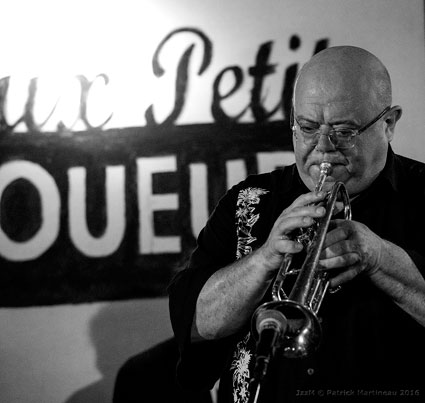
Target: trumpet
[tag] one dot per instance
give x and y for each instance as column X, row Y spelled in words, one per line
column 289, row 325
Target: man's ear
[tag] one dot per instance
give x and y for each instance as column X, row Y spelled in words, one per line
column 393, row 115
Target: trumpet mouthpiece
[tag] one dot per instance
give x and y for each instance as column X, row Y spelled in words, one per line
column 325, row 170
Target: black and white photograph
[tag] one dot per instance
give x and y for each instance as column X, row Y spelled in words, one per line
column 212, row 201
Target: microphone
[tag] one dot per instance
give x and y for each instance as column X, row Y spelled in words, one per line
column 271, row 326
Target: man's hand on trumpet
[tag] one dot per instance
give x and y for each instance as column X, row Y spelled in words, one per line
column 300, row 214
column 351, row 248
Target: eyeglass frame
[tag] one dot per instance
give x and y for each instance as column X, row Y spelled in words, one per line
column 355, row 132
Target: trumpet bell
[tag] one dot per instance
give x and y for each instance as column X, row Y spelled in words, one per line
column 303, row 332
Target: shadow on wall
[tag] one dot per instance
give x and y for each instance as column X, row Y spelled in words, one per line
column 119, row 331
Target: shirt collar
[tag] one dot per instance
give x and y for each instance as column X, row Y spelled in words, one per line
column 389, row 173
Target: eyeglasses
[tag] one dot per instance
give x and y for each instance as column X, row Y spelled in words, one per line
column 340, row 138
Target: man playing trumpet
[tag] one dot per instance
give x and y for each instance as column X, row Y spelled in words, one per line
column 373, row 329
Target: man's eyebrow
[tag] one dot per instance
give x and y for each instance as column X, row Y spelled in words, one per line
column 301, row 117
column 349, row 122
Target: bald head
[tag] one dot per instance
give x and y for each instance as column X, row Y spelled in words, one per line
column 347, row 72
column 343, row 88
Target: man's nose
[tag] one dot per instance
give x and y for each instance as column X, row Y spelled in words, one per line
column 325, row 144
